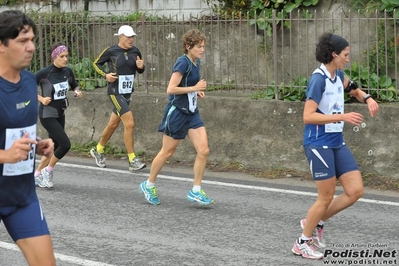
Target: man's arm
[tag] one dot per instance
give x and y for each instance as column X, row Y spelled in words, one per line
column 100, row 61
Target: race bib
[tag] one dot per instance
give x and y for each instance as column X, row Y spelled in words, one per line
column 334, row 127
column 60, row 90
column 192, row 101
column 125, row 84
column 24, row 166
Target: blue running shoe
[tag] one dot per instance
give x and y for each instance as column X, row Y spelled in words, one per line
column 199, row 197
column 150, row 193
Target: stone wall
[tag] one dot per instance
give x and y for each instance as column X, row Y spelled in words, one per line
column 256, row 133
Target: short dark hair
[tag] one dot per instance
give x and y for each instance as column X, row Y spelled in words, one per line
column 12, row 22
column 191, row 38
column 329, row 43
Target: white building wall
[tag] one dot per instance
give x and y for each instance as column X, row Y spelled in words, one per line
column 155, row 7
column 28, row 6
column 173, row 7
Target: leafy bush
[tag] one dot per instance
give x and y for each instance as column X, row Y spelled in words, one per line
column 86, row 75
column 293, row 91
column 228, row 7
column 380, row 87
column 262, row 12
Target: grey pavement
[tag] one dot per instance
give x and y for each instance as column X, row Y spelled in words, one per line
column 99, row 217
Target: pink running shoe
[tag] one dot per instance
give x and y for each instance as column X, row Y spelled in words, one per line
column 317, row 235
column 307, row 250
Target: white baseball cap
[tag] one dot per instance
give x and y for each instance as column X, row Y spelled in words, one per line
column 126, row 30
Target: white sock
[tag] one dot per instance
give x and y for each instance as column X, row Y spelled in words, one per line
column 321, row 222
column 149, row 184
column 196, row 188
column 303, row 237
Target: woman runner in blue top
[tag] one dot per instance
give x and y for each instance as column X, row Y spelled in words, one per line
column 328, row 156
column 182, row 118
column 20, row 210
column 55, row 81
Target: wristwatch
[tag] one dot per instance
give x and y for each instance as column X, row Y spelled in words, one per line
column 366, row 97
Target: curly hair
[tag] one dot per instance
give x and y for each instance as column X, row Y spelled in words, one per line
column 324, row 48
column 191, row 38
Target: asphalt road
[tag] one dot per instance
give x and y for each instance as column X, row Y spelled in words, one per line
column 99, row 217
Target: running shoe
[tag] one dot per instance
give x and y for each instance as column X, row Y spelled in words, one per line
column 47, row 178
column 39, row 181
column 100, row 159
column 317, row 235
column 199, row 197
column 136, row 164
column 306, row 250
column 150, row 193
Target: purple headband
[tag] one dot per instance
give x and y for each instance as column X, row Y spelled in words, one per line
column 57, row 51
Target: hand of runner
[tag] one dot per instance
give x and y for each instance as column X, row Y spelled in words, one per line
column 46, row 100
column 111, row 77
column 45, row 147
column 20, row 149
column 201, row 85
column 139, row 63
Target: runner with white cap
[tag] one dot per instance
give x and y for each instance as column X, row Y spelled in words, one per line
column 123, row 61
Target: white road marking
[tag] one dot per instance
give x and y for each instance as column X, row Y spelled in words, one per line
column 65, row 258
column 269, row 189
column 79, row 261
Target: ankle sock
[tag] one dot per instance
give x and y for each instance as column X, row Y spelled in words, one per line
column 196, row 188
column 100, row 148
column 150, row 184
column 320, row 224
column 131, row 156
column 303, row 239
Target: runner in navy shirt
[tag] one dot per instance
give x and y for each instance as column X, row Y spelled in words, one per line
column 20, row 210
column 328, row 156
column 182, row 118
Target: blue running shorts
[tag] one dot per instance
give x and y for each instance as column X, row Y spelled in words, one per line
column 326, row 163
column 24, row 222
column 176, row 124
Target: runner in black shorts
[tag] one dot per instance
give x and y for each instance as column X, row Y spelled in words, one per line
column 182, row 118
column 123, row 60
column 20, row 210
column 55, row 81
